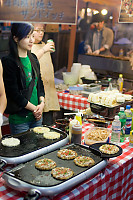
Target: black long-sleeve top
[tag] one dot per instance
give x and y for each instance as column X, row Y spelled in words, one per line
column 15, row 81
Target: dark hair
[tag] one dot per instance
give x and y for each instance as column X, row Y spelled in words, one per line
column 97, row 18
column 19, row 30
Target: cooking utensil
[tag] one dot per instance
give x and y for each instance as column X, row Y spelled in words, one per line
column 31, row 145
column 25, row 177
column 96, row 146
column 70, row 113
column 98, row 122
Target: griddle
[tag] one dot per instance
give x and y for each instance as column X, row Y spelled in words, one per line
column 31, row 145
column 95, row 147
column 25, row 177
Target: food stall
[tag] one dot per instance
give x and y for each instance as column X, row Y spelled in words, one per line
column 110, row 177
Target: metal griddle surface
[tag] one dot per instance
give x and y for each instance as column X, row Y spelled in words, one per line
column 29, row 174
column 29, row 142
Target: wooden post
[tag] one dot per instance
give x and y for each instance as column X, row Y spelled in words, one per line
column 71, row 47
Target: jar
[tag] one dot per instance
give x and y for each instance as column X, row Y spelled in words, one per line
column 76, row 134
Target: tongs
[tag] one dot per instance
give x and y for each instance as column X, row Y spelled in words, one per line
column 70, row 113
column 99, row 122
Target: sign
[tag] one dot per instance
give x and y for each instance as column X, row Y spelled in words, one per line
column 126, row 11
column 47, row 11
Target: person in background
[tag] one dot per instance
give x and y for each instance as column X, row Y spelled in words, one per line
column 3, row 100
column 42, row 52
column 99, row 39
column 23, row 84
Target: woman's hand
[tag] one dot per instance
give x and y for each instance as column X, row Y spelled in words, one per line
column 38, row 111
column 49, row 47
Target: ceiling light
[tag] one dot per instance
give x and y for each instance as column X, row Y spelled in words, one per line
column 104, row 12
column 95, row 12
column 88, row 10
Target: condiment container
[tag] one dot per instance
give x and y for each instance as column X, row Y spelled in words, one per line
column 120, row 83
column 79, row 117
column 76, row 133
column 131, row 138
column 71, row 123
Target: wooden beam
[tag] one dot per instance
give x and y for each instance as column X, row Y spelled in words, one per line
column 71, row 47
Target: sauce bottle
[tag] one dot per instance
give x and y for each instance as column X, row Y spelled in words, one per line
column 76, row 133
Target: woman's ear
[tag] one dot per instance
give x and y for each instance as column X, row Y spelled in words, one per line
column 15, row 39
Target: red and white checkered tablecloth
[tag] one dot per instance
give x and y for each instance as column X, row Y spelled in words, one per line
column 114, row 182
column 72, row 102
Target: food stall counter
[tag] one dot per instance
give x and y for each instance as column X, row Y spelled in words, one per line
column 113, row 182
column 72, row 102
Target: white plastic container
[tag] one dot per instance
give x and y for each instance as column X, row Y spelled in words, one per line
column 70, row 78
column 84, row 72
column 92, row 76
column 76, row 68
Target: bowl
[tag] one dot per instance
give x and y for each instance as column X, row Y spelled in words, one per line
column 96, row 135
column 62, row 124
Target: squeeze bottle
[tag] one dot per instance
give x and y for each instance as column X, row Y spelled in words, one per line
column 71, row 123
column 79, row 117
column 120, row 83
column 76, row 133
